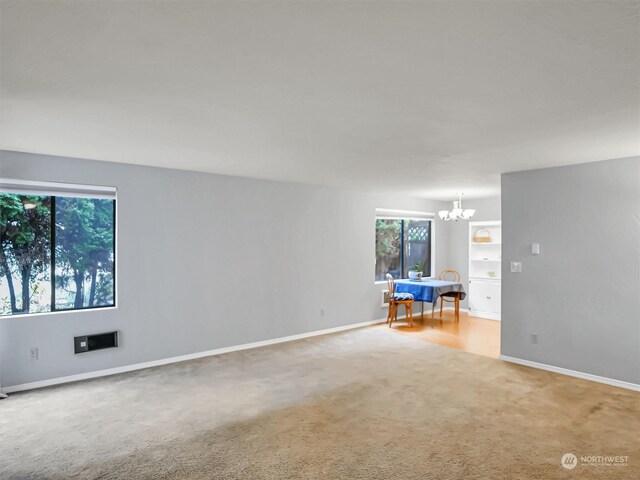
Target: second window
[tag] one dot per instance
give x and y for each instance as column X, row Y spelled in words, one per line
column 402, row 244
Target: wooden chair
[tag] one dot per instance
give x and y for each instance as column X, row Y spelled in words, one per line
column 449, row 275
column 397, row 299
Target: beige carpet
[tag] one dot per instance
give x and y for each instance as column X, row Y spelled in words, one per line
column 365, row 404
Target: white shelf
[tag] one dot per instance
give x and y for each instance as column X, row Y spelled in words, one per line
column 485, row 290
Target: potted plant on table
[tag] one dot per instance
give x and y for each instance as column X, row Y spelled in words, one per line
column 415, row 272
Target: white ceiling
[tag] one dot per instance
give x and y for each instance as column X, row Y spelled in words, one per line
column 427, row 98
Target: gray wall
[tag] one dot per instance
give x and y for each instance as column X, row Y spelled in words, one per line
column 208, row 261
column 458, row 236
column 581, row 295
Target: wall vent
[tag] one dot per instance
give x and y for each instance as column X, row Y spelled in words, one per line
column 99, row 341
column 385, row 299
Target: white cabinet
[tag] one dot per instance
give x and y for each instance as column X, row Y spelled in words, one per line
column 485, row 259
column 484, row 298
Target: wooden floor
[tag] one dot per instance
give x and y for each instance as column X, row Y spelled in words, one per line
column 471, row 334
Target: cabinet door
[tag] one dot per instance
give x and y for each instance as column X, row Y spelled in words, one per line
column 484, row 296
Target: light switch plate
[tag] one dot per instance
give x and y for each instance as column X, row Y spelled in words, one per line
column 516, row 267
column 535, row 249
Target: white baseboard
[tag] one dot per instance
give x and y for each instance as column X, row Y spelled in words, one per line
column 181, row 358
column 486, row 315
column 290, row 338
column 572, row 373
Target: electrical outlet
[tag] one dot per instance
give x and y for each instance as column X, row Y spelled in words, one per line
column 516, row 267
column 33, row 353
column 534, row 338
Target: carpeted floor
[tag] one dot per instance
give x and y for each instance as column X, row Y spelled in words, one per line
column 366, row 404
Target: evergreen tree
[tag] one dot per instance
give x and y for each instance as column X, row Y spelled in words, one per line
column 84, row 246
column 25, row 243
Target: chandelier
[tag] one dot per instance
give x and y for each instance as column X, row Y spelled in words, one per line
column 457, row 212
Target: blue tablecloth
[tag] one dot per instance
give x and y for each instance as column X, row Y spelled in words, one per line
column 429, row 290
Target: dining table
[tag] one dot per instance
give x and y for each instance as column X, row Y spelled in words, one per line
column 430, row 290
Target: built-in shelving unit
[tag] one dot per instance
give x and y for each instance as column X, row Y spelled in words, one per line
column 485, row 262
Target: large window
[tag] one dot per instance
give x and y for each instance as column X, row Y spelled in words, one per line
column 57, row 252
column 402, row 244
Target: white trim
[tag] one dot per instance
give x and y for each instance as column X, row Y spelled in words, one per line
column 486, row 315
column 390, row 214
column 31, row 187
column 182, row 358
column 488, row 223
column 572, row 373
column 58, row 312
column 487, row 279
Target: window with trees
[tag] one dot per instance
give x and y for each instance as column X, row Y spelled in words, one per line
column 402, row 244
column 57, row 252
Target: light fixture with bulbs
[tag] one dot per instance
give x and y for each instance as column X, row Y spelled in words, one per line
column 457, row 212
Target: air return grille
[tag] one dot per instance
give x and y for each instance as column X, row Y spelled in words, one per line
column 89, row 343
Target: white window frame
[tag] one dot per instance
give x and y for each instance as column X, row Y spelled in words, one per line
column 38, row 187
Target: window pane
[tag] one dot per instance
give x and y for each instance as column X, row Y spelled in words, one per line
column 388, row 248
column 25, row 238
column 84, row 252
column 417, row 246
